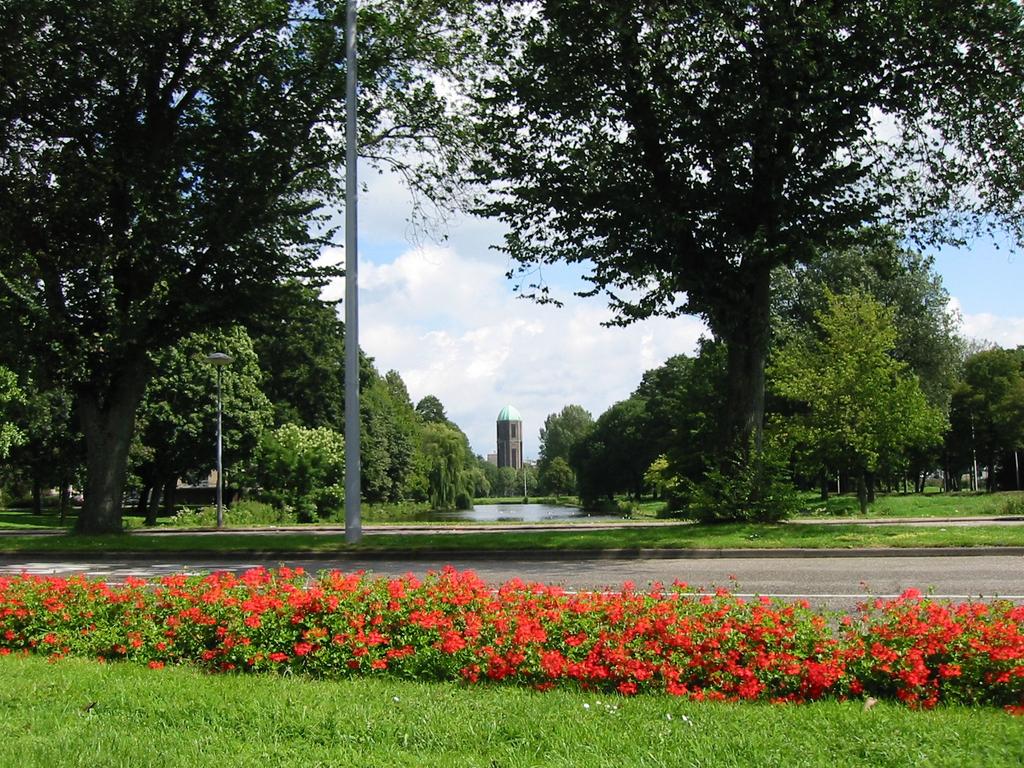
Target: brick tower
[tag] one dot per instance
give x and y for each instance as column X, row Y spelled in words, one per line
column 510, row 438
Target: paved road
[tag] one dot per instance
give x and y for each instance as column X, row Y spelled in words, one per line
column 836, row 582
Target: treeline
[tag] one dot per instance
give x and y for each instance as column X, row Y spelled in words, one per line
column 283, row 422
column 869, row 387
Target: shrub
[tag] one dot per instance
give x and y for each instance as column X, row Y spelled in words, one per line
column 453, row 626
column 754, row 489
column 240, row 513
column 302, row 471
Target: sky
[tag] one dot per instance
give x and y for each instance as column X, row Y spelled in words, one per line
column 444, row 316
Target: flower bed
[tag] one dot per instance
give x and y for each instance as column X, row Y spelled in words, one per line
column 453, row 626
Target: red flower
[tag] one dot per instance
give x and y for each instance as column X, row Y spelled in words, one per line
column 451, row 642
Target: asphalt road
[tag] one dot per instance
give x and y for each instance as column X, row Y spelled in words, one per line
column 834, row 582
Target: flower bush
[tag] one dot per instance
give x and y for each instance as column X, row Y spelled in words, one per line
column 453, row 626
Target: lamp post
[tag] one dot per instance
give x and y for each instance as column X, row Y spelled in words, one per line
column 219, row 360
column 353, row 515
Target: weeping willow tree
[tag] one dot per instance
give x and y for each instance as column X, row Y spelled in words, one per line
column 443, row 452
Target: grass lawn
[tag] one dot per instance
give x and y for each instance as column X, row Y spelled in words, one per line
column 963, row 504
column 729, row 536
column 20, row 519
column 76, row 712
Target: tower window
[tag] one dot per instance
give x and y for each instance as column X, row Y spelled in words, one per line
column 515, row 458
column 512, row 434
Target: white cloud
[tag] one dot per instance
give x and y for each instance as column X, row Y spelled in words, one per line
column 452, row 327
column 1006, row 331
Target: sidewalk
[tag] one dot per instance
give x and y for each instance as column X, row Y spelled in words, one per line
column 464, row 528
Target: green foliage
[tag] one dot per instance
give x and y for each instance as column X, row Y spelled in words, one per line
column 987, row 415
column 558, row 477
column 927, row 333
column 684, row 399
column 442, row 453
column 302, row 470
column 389, row 428
column 756, row 487
column 177, row 420
column 241, row 513
column 165, row 167
column 299, row 341
column 10, row 393
column 614, row 455
column 659, row 477
column 863, row 409
column 50, row 453
column 431, row 410
column 681, row 152
column 561, row 431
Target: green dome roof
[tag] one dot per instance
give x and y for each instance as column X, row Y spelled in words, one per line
column 509, row 413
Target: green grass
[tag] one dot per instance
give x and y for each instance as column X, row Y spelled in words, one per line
column 962, row 504
column 682, row 536
column 24, row 520
column 78, row 713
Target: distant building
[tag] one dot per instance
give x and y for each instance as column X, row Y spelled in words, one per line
column 492, row 458
column 510, row 438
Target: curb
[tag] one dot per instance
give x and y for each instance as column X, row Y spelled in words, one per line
column 531, row 554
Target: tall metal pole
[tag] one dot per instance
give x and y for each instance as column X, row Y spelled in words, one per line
column 219, row 360
column 353, row 522
column 220, row 458
column 974, row 459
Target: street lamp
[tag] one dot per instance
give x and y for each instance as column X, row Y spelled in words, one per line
column 353, row 514
column 219, row 360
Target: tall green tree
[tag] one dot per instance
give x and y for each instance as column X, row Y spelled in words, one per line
column 164, row 166
column 862, row 408
column 987, row 416
column 300, row 342
column 561, row 431
column 50, row 454
column 927, row 333
column 683, row 398
column 389, row 431
column 177, row 419
column 558, row 477
column 614, row 455
column 431, row 410
column 683, row 151
column 442, row 453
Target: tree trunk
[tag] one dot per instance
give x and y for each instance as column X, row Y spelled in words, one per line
column 869, row 481
column 824, row 485
column 153, row 504
column 862, row 494
column 169, row 492
column 37, row 496
column 140, row 505
column 65, row 500
column 107, row 424
column 746, row 339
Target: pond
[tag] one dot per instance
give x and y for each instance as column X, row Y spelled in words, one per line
column 519, row 513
